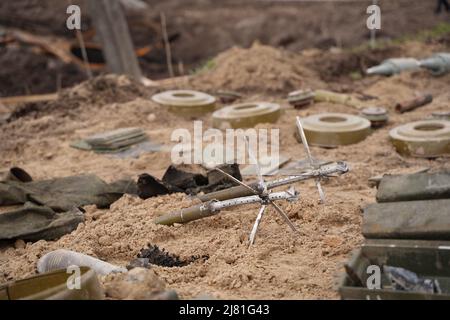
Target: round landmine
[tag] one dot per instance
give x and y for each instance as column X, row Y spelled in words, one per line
column 301, row 98
column 228, row 97
column 334, row 129
column 377, row 116
column 441, row 115
column 426, row 138
column 53, row 286
column 186, row 102
column 246, row 115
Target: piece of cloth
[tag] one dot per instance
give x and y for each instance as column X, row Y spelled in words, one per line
column 63, row 194
column 406, row 280
column 148, row 186
column 33, row 222
column 51, row 208
column 183, row 179
column 177, row 179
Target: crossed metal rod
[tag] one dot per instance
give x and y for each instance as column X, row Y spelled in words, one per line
column 261, row 189
column 258, row 192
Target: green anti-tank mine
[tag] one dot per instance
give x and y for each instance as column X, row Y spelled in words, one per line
column 246, row 115
column 335, row 129
column 53, row 286
column 186, row 102
column 441, row 115
column 427, row 138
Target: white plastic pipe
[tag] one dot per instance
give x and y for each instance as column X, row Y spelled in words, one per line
column 62, row 259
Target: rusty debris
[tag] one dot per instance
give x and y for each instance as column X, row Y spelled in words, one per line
column 417, row 102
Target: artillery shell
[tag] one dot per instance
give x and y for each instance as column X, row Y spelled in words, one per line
column 334, row 129
column 426, row 138
column 246, row 115
column 186, row 102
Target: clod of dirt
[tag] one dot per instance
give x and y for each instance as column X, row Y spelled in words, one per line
column 163, row 258
column 257, row 69
column 138, row 283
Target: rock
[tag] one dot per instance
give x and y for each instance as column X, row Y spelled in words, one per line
column 151, row 117
column 20, row 244
column 139, row 263
column 137, row 284
column 104, row 240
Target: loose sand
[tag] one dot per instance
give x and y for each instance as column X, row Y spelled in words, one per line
column 281, row 265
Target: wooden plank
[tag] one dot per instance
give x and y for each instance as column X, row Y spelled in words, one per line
column 56, row 46
column 14, row 100
column 112, row 29
column 27, row 99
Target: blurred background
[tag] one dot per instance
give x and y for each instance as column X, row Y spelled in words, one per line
column 197, row 31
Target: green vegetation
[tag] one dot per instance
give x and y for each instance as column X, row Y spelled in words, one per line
column 208, row 65
column 438, row 31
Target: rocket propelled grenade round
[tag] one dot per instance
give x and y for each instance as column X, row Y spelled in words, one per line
column 213, row 207
column 394, row 66
column 239, row 191
column 438, row 64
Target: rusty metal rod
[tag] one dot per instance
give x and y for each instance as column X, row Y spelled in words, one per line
column 415, row 103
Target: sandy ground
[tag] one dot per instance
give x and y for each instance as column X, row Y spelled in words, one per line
column 281, row 265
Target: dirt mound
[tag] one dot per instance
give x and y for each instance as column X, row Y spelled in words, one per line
column 351, row 65
column 27, row 72
column 257, row 69
column 107, row 236
column 100, row 90
column 232, row 270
